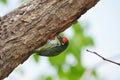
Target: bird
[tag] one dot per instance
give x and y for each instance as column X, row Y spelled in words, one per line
column 51, row 50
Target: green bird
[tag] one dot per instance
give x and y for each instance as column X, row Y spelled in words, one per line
column 50, row 50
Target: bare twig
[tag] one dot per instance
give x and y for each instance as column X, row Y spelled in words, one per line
column 105, row 59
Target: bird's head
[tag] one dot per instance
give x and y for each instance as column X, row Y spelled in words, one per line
column 63, row 40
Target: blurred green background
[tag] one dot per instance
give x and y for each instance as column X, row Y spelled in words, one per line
column 97, row 29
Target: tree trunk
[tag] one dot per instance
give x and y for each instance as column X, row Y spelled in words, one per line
column 32, row 24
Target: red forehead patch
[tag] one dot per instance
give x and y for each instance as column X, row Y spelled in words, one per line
column 64, row 39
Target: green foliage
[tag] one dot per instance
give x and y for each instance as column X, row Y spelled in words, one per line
column 36, row 57
column 77, row 42
column 48, row 78
column 3, row 1
column 23, row 0
column 95, row 74
column 72, row 71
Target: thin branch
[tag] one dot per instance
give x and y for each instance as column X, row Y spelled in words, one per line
column 105, row 59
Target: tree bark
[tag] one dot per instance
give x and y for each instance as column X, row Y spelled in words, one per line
column 32, row 24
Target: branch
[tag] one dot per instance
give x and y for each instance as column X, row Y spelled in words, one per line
column 105, row 59
column 32, row 24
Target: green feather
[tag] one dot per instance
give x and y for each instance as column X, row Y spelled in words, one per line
column 50, row 49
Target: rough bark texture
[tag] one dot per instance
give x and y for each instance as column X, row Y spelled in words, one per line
column 30, row 25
